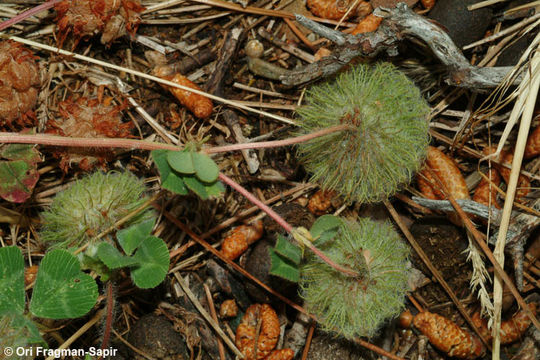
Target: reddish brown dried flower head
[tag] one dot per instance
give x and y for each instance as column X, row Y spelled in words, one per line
column 246, row 332
column 87, row 118
column 19, row 84
column 113, row 18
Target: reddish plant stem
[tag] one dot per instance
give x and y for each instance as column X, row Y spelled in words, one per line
column 277, row 143
column 18, row 18
column 284, row 224
column 109, row 316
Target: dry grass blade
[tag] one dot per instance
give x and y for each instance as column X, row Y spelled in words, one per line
column 529, row 93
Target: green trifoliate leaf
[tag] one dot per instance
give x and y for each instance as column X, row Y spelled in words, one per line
column 113, row 258
column 205, row 168
column 153, row 258
column 170, row 179
column 181, row 161
column 283, row 268
column 132, row 237
column 62, row 291
column 288, row 250
column 11, row 280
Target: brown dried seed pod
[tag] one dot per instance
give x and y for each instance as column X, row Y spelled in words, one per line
column 405, row 319
column 447, row 171
column 228, row 309
column 281, row 354
column 239, row 239
column 30, row 274
column 523, row 185
column 330, row 9
column 264, row 318
column 511, row 329
column 485, row 193
column 428, row 4
column 87, row 118
column 446, row 336
column 113, row 18
column 19, row 84
column 368, row 24
column 320, row 202
column 199, row 105
column 532, row 148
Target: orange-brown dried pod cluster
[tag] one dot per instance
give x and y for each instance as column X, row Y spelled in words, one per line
column 428, row 4
column 446, row 336
column 321, row 202
column 447, row 172
column 485, row 192
column 228, row 309
column 199, row 105
column 532, row 148
column 506, row 157
column 19, row 84
column 262, row 318
column 239, row 239
column 111, row 18
column 87, row 118
column 332, row 9
column 368, row 24
column 511, row 329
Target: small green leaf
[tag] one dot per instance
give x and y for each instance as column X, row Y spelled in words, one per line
column 205, row 168
column 170, row 179
column 113, row 258
column 132, row 237
column 283, row 268
column 288, row 250
column 16, row 330
column 181, row 161
column 324, row 229
column 196, row 186
column 62, row 291
column 216, row 189
column 153, row 258
column 11, row 280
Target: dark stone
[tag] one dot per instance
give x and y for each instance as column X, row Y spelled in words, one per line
column 155, row 336
column 463, row 26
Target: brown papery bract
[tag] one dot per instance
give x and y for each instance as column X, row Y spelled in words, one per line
column 199, row 105
column 447, row 171
column 446, row 336
column 19, row 85
column 247, row 338
column 239, row 239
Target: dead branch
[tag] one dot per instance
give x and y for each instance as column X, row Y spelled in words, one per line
column 398, row 24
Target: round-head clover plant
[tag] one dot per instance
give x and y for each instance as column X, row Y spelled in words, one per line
column 91, row 205
column 357, row 306
column 388, row 133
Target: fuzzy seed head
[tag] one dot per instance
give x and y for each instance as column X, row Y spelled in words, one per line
column 388, row 137
column 357, row 306
column 92, row 205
